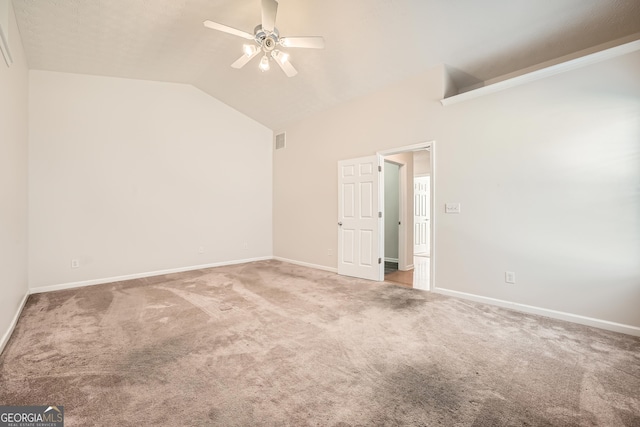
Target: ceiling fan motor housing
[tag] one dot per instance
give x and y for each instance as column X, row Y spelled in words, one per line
column 269, row 44
column 268, row 41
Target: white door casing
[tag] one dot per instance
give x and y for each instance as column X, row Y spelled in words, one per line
column 421, row 214
column 360, row 200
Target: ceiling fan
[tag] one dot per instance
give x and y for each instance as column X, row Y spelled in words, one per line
column 268, row 39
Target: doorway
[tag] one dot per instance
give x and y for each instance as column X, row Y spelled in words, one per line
column 360, row 222
column 414, row 225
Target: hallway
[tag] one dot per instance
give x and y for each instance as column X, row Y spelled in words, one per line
column 417, row 278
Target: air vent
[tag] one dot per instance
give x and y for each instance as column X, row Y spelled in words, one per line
column 280, row 141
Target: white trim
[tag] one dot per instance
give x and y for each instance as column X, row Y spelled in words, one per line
column 381, row 219
column 549, row 71
column 432, row 219
column 575, row 318
column 14, row 322
column 92, row 282
column 387, row 259
column 410, row 267
column 413, row 147
column 306, row 264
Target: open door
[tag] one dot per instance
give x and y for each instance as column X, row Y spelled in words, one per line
column 422, row 213
column 360, row 218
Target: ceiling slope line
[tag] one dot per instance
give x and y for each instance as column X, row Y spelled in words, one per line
column 542, row 73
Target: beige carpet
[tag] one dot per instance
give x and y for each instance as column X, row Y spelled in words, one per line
column 273, row 344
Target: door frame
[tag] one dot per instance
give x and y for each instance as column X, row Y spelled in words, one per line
column 431, row 146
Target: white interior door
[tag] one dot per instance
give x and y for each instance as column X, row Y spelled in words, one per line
column 421, row 213
column 359, row 218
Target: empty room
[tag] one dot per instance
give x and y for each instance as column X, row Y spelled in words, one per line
column 320, row 213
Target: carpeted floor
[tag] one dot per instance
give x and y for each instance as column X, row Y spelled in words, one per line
column 274, row 344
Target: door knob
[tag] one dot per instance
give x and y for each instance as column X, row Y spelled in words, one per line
column 340, row 224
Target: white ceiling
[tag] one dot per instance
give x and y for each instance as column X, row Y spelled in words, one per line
column 369, row 43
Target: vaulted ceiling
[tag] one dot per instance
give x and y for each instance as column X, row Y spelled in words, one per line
column 369, row 43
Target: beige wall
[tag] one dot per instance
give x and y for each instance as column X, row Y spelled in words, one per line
column 421, row 163
column 13, row 181
column 131, row 177
column 305, row 173
column 546, row 173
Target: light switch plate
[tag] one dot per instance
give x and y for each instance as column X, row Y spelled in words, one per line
column 452, row 208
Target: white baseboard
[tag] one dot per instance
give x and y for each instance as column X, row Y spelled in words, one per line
column 306, row 264
column 575, row 318
column 410, row 267
column 14, row 322
column 40, row 289
column 390, row 259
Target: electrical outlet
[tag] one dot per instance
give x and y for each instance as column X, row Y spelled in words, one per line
column 201, row 250
column 245, row 245
column 510, row 277
column 330, row 252
column 75, row 263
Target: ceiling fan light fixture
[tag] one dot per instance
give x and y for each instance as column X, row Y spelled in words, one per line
column 267, row 39
column 264, row 63
column 249, row 49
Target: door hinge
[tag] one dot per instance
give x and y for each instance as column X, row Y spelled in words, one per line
column 379, row 214
column 379, row 260
column 379, row 168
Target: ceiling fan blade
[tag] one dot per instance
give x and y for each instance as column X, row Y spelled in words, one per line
column 282, row 59
column 311, row 42
column 227, row 29
column 244, row 60
column 269, row 11
column 288, row 69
